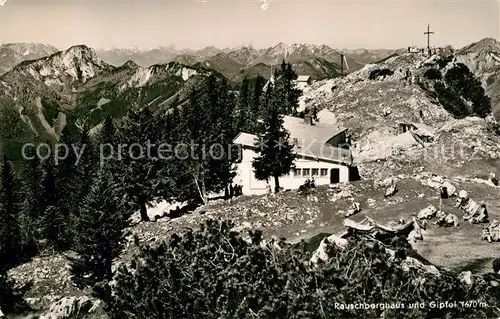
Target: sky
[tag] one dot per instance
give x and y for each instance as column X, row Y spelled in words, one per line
column 221, row 23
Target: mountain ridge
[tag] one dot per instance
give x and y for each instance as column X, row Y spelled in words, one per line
column 76, row 85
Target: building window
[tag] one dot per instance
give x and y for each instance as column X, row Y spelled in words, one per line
column 296, row 172
column 305, row 172
column 315, row 172
column 324, row 172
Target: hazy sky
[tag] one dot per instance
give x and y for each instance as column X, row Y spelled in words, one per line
column 196, row 24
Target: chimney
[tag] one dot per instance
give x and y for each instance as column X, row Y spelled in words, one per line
column 308, row 119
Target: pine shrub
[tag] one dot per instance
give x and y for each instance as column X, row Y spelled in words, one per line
column 433, row 74
column 380, row 73
column 215, row 272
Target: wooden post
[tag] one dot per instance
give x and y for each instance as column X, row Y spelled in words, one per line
column 341, row 65
column 428, row 33
column 440, row 199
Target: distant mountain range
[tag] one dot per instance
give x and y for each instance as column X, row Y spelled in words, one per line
column 75, row 84
column 12, row 54
column 40, row 95
column 318, row 61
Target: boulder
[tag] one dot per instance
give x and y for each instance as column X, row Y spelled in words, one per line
column 475, row 213
column 320, row 253
column 466, row 277
column 391, row 190
column 354, row 209
column 70, row 307
column 387, row 111
column 446, row 220
column 463, row 194
column 493, row 179
column 450, row 189
column 491, row 233
column 384, row 182
column 427, row 213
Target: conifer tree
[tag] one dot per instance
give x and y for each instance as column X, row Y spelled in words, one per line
column 143, row 175
column 275, row 154
column 197, row 124
column 209, row 132
column 68, row 183
column 11, row 296
column 52, row 222
column 221, row 137
column 107, row 145
column 175, row 165
column 258, row 84
column 100, row 232
column 32, row 201
column 86, row 167
column 243, row 111
column 286, row 89
column 10, row 233
column 107, row 133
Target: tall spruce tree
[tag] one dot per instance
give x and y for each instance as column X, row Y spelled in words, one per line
column 68, row 183
column 86, row 168
column 107, row 144
column 143, row 175
column 257, row 90
column 107, row 133
column 10, row 233
column 100, row 232
column 209, row 130
column 174, row 156
column 286, row 90
column 222, row 134
column 32, row 201
column 192, row 157
column 275, row 153
column 243, row 111
column 53, row 221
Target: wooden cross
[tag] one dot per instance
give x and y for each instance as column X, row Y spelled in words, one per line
column 428, row 33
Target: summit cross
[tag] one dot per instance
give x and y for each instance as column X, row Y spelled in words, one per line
column 428, row 33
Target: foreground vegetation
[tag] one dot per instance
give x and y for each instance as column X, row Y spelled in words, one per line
column 216, row 272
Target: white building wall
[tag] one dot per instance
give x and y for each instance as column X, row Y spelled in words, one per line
column 302, row 85
column 251, row 186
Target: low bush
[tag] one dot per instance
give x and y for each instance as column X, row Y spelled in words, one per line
column 433, row 74
column 443, row 61
column 464, row 83
column 451, row 101
column 496, row 265
column 460, row 85
column 380, row 73
column 216, row 273
column 11, row 296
